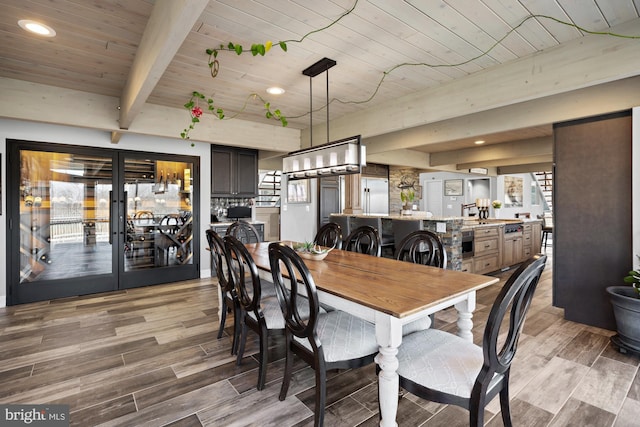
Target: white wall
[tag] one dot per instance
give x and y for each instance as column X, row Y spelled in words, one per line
column 16, row 129
column 298, row 221
column 452, row 204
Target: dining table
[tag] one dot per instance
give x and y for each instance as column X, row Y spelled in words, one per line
column 390, row 294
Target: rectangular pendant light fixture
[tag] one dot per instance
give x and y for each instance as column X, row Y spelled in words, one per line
column 342, row 157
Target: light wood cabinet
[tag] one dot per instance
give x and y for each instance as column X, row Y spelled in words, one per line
column 536, row 238
column 532, row 239
column 486, row 247
column 512, row 250
column 467, row 266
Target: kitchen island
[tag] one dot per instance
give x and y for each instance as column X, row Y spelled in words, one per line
column 491, row 250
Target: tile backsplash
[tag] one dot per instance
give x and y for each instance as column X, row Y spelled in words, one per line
column 219, row 205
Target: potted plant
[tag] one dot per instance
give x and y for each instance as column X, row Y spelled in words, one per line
column 497, row 204
column 309, row 250
column 407, row 196
column 626, row 310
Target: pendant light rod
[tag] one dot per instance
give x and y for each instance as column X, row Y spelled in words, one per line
column 327, row 74
column 322, row 66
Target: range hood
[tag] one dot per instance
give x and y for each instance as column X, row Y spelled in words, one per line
column 342, row 157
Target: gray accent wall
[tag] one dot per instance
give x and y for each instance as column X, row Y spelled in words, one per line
column 592, row 234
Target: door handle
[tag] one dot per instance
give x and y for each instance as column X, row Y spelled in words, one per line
column 124, row 210
column 111, row 202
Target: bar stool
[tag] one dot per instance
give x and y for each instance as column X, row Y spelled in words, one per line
column 547, row 228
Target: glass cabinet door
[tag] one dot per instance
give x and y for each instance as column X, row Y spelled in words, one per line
column 64, row 216
column 159, row 230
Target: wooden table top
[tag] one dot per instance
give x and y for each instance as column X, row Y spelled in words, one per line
column 394, row 287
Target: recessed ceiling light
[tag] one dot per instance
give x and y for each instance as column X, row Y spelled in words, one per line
column 275, row 90
column 478, row 142
column 36, row 28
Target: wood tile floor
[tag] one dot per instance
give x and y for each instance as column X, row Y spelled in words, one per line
column 150, row 357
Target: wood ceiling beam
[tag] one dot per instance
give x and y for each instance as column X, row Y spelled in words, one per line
column 505, row 162
column 115, row 137
column 168, row 26
column 532, row 167
column 408, row 158
column 506, row 150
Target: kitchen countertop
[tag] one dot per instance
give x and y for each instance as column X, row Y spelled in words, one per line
column 465, row 219
column 470, row 224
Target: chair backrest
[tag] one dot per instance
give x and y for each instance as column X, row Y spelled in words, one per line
column 371, row 221
column 168, row 228
column 515, row 299
column 422, row 247
column 243, row 274
column 364, row 239
column 294, row 284
column 244, row 232
column 143, row 215
column 329, row 235
column 219, row 257
column 402, row 228
column 343, row 222
column 169, row 224
column 547, row 221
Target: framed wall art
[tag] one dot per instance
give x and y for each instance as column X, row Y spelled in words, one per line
column 298, row 191
column 453, row 187
column 513, row 191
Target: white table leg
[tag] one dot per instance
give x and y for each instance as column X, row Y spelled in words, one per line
column 389, row 337
column 465, row 314
column 388, row 385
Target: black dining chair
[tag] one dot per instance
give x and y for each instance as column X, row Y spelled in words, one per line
column 244, row 231
column 166, row 241
column 387, row 238
column 329, row 340
column 343, row 221
column 422, row 247
column 402, row 228
column 444, row 368
column 230, row 303
column 329, row 235
column 258, row 313
column 365, row 240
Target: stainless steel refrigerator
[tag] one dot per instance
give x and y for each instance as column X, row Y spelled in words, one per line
column 375, row 196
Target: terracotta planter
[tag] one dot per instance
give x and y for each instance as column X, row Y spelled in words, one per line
column 626, row 309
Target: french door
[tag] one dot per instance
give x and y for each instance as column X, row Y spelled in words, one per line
column 86, row 220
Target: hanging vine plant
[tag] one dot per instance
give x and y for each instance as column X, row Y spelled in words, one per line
column 195, row 111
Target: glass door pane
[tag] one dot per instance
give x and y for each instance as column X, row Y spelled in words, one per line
column 159, row 230
column 64, row 216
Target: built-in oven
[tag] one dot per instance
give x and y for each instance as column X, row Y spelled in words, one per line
column 467, row 244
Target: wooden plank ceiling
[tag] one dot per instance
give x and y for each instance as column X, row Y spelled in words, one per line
column 98, row 40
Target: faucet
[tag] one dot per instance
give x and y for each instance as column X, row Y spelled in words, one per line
column 467, row 206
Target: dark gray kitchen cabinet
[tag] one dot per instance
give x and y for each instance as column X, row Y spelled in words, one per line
column 234, row 172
